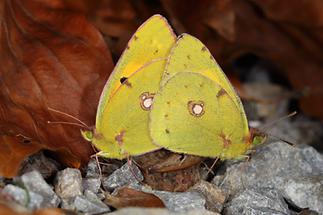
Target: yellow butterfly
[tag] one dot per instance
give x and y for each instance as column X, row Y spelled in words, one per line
column 121, row 128
column 196, row 111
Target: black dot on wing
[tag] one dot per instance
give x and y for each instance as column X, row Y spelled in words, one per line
column 167, row 131
column 123, row 80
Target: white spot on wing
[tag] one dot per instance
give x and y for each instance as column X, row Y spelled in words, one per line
column 148, row 102
column 197, row 109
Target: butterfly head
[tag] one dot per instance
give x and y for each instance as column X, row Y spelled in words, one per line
column 257, row 137
column 87, row 135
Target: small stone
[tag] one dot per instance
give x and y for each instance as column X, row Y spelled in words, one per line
column 122, row 176
column 305, row 192
column 45, row 166
column 160, row 211
column 176, row 201
column 92, row 169
column 184, row 201
column 68, row 204
column 93, row 198
column 279, row 166
column 271, row 165
column 214, row 196
column 84, row 205
column 25, row 198
column 68, row 183
column 92, row 184
column 265, row 201
column 34, row 182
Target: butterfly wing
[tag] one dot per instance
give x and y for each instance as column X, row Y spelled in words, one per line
column 124, row 129
column 193, row 114
column 190, row 55
column 152, row 40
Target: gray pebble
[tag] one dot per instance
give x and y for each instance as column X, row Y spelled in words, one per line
column 68, row 183
column 273, row 166
column 122, row 176
column 34, row 182
column 306, row 192
column 265, row 201
column 176, row 201
column 84, row 205
column 25, row 198
column 92, row 184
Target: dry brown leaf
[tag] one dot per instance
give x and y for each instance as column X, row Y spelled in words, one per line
column 164, row 170
column 50, row 57
column 128, row 197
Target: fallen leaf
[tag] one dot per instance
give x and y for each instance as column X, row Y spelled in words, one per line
column 168, row 162
column 128, row 197
column 51, row 57
column 164, row 170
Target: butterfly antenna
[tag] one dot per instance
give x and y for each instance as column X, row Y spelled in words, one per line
column 281, row 139
column 68, row 123
column 80, row 123
column 270, row 124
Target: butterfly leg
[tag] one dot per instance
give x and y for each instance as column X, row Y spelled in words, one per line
column 96, row 155
column 212, row 166
column 245, row 157
column 130, row 163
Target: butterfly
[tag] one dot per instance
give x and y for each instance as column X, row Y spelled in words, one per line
column 121, row 128
column 170, row 93
column 196, row 110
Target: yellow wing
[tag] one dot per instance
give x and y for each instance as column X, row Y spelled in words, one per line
column 124, row 131
column 152, row 40
column 190, row 55
column 195, row 115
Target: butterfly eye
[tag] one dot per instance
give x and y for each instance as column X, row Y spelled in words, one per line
column 146, row 100
column 196, row 108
